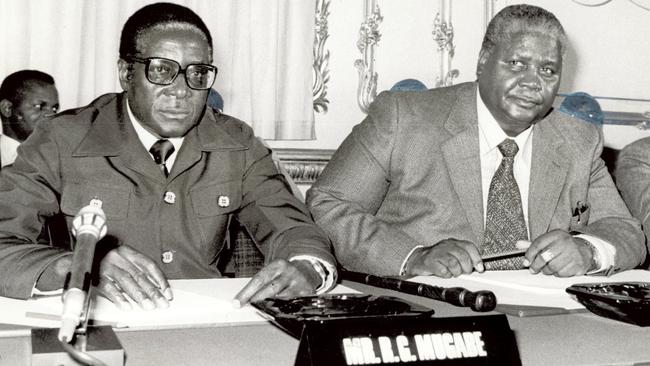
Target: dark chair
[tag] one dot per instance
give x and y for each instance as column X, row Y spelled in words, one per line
column 243, row 258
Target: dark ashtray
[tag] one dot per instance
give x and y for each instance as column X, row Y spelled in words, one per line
column 624, row 301
column 291, row 313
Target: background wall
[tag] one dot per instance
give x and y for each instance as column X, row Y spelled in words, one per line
column 608, row 57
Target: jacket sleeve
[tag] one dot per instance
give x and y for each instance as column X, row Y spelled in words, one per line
column 633, row 177
column 609, row 218
column 350, row 191
column 29, row 192
column 279, row 222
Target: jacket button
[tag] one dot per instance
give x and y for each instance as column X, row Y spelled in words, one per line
column 168, row 256
column 223, row 201
column 170, row 197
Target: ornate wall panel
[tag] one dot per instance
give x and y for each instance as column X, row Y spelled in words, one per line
column 304, row 165
column 321, row 57
column 369, row 36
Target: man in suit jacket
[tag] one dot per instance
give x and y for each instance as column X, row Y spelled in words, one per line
column 632, row 177
column 408, row 190
column 167, row 218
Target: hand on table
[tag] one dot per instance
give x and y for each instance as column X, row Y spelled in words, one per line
column 448, row 258
column 560, row 254
column 280, row 278
column 126, row 271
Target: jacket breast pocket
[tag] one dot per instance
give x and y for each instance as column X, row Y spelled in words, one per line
column 213, row 204
column 219, row 198
column 115, row 204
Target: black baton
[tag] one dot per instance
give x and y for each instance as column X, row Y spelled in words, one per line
column 481, row 301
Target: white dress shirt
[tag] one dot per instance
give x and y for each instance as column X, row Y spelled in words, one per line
column 148, row 139
column 8, row 150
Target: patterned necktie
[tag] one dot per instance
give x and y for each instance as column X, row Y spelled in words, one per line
column 504, row 223
column 161, row 150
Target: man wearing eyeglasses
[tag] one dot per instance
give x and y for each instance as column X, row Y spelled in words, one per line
column 170, row 175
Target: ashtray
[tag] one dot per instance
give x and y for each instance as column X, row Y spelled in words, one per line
column 625, row 301
column 291, row 313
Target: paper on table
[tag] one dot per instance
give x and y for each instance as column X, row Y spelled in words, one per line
column 196, row 303
column 524, row 288
column 189, row 307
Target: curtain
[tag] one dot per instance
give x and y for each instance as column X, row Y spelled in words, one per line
column 263, row 49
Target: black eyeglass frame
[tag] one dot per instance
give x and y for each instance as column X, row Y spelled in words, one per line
column 147, row 61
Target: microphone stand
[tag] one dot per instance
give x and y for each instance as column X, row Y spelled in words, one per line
column 78, row 348
column 89, row 345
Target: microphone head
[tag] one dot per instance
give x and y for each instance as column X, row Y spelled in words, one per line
column 90, row 220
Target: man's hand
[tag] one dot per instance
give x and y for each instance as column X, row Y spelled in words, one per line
column 280, row 278
column 448, row 258
column 125, row 271
column 560, row 254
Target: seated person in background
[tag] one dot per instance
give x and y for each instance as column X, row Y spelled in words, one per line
column 433, row 180
column 26, row 97
column 633, row 181
column 171, row 175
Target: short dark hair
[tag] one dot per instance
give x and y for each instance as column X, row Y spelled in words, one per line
column 13, row 85
column 522, row 18
column 160, row 16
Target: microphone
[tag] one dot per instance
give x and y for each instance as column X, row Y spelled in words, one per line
column 89, row 226
column 480, row 301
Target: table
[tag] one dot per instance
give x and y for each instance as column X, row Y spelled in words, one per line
column 567, row 339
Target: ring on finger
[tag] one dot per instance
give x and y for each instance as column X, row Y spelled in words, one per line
column 547, row 256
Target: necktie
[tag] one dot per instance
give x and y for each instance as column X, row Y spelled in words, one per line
column 504, row 223
column 161, row 150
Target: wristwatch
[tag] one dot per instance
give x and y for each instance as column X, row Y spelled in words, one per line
column 595, row 258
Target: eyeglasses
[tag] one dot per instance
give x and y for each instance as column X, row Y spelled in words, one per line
column 163, row 71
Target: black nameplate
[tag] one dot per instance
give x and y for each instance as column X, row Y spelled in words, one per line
column 398, row 340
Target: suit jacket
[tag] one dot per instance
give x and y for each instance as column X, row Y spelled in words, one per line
column 221, row 172
column 633, row 180
column 409, row 175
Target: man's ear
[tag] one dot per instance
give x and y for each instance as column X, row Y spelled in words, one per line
column 125, row 73
column 6, row 108
column 483, row 57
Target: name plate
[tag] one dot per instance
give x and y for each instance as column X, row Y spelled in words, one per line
column 398, row 340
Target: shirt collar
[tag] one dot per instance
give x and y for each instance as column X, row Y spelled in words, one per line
column 147, row 138
column 490, row 130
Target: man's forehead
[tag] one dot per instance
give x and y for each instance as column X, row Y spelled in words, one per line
column 176, row 45
column 531, row 42
column 170, row 35
column 34, row 88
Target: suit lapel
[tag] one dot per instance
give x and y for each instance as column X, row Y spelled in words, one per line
column 208, row 135
column 548, row 172
column 112, row 135
column 461, row 154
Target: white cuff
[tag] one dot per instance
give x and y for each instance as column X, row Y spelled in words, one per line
column 605, row 252
column 402, row 268
column 37, row 292
column 325, row 270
